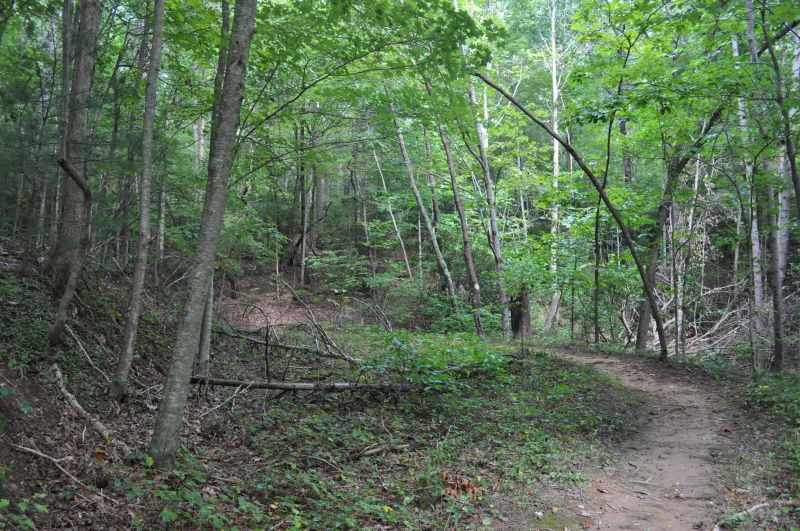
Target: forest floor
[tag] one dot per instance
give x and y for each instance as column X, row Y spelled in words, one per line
column 670, row 476
column 558, row 438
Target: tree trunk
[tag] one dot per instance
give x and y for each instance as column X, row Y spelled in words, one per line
column 70, row 250
column 755, row 238
column 550, row 315
column 120, row 382
column 462, row 216
column 648, row 287
column 392, row 216
column 776, row 282
column 423, row 211
column 204, row 345
column 166, row 434
column 494, row 233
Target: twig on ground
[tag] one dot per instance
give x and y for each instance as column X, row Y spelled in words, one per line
column 56, row 461
column 234, row 395
column 80, row 345
column 737, row 516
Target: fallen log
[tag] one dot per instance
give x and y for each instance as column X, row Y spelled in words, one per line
column 304, row 386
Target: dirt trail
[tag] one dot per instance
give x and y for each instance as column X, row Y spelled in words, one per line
column 669, row 477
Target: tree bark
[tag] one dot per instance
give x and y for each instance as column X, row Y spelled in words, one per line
column 552, row 311
column 462, row 217
column 120, row 381
column 467, row 247
column 166, row 434
column 494, row 233
column 204, row 345
column 70, row 249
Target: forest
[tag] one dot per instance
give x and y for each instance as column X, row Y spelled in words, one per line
column 399, row 264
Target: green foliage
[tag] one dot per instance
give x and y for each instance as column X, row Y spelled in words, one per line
column 21, row 514
column 438, row 360
column 343, row 271
column 24, row 322
column 777, row 398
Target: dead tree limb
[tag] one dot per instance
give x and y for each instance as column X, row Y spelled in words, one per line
column 57, row 462
column 330, row 346
column 648, row 288
column 96, row 424
column 299, row 348
column 305, row 386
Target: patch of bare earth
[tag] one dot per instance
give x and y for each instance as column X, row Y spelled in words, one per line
column 256, row 305
column 669, row 476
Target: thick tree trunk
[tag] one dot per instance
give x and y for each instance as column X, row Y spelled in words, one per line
column 70, row 249
column 166, row 434
column 120, row 382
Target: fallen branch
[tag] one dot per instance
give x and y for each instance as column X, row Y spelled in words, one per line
column 379, row 313
column 332, row 347
column 96, row 424
column 737, row 516
column 232, row 397
column 86, row 354
column 299, row 348
column 62, row 469
column 304, row 386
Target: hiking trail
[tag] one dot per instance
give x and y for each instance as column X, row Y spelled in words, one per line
column 669, row 476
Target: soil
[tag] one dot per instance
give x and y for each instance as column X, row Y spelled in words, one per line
column 669, row 475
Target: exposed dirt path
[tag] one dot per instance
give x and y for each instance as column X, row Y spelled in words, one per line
column 669, row 477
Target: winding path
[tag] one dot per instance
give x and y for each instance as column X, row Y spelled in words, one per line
column 669, row 477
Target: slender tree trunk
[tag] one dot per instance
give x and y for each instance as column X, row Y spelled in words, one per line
column 648, row 287
column 776, row 282
column 429, row 180
column 362, row 198
column 552, row 311
column 462, row 217
column 494, row 233
column 301, row 175
column 423, row 211
column 120, row 381
column 755, row 238
column 392, row 216
column 166, row 434
column 787, row 139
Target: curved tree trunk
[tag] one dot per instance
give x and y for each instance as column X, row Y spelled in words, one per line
column 648, row 287
column 70, row 249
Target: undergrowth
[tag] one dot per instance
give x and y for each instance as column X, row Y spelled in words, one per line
column 482, row 423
